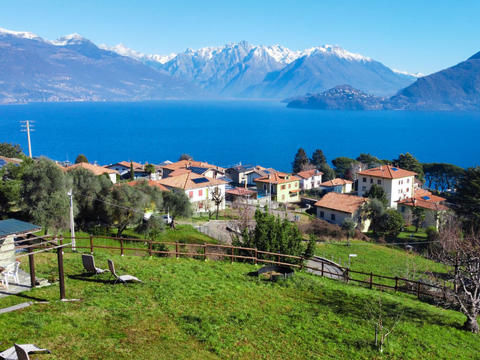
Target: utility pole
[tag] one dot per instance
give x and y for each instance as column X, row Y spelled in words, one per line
column 72, row 222
column 27, row 128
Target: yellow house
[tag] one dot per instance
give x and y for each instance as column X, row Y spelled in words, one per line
column 284, row 188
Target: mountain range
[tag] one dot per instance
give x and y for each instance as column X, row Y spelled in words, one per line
column 73, row 68
column 456, row 88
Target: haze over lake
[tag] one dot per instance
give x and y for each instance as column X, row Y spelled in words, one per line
column 227, row 132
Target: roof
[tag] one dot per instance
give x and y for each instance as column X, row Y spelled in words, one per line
column 241, row 192
column 150, row 182
column 189, row 180
column 307, row 174
column 341, row 202
column 183, row 164
column 277, row 178
column 14, row 226
column 136, row 166
column 96, row 170
column 425, row 199
column 6, row 160
column 336, row 182
column 387, row 172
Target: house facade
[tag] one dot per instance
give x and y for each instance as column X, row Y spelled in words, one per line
column 198, row 188
column 335, row 208
column 310, row 179
column 10, row 230
column 246, row 174
column 337, row 185
column 124, row 167
column 283, row 188
column 398, row 184
column 433, row 206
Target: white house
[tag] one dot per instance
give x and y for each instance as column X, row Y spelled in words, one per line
column 433, row 206
column 198, row 188
column 310, row 179
column 335, row 208
column 397, row 183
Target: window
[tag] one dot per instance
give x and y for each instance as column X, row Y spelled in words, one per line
column 371, row 181
column 190, row 194
column 364, row 179
column 408, row 180
column 379, row 182
column 332, row 217
column 200, row 192
column 408, row 189
column 402, row 209
column 322, row 214
column 200, row 205
column 364, row 188
column 289, row 186
column 283, row 187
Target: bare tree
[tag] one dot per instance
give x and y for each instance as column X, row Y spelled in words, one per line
column 461, row 251
column 217, row 198
column 385, row 323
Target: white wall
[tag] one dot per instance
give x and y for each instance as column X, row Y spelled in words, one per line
column 395, row 189
column 203, row 201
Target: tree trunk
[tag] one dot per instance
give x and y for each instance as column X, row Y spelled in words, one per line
column 120, row 230
column 471, row 324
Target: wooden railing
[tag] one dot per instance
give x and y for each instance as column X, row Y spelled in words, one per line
column 235, row 253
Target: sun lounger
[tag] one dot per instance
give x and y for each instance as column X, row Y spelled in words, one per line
column 20, row 352
column 122, row 278
column 89, row 265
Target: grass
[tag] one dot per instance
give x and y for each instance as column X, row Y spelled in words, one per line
column 212, row 310
column 379, row 259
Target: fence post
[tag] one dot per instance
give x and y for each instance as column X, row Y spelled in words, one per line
column 346, row 278
column 322, row 267
column 256, row 256
column 205, row 251
column 301, row 262
column 121, row 247
column 371, row 280
column 176, row 249
column 278, row 258
column 150, row 248
column 61, row 275
column 418, row 290
column 233, row 254
column 91, row 244
column 31, row 263
column 396, row 283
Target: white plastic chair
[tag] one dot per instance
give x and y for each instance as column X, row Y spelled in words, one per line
column 11, row 270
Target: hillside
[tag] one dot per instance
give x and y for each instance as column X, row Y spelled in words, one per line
column 72, row 68
column 213, row 310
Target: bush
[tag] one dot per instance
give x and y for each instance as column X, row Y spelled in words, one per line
column 324, row 230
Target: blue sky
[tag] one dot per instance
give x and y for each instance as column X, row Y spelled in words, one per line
column 416, row 36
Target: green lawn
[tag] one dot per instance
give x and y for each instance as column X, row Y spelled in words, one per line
column 212, row 310
column 379, row 259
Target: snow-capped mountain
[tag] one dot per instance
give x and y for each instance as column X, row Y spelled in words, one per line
column 73, row 68
column 255, row 71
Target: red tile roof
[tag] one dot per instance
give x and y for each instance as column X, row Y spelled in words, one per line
column 425, row 199
column 277, row 178
column 150, row 182
column 387, row 172
column 186, row 181
column 336, row 182
column 96, row 170
column 183, row 164
column 241, row 192
column 307, row 174
column 136, row 166
column 341, row 202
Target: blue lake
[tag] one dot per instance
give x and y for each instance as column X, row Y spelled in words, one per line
column 227, row 132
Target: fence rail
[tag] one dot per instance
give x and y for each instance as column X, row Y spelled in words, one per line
column 234, row 253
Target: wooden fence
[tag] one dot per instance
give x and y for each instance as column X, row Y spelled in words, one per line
column 238, row 253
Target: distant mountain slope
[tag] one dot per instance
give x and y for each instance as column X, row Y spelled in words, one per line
column 245, row 70
column 74, row 69
column 326, row 67
column 455, row 88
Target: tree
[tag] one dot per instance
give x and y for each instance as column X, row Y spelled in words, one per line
column 328, row 172
column 300, row 161
column 349, row 225
column 81, row 159
column 185, row 157
column 177, row 204
column 377, row 192
column 310, row 249
column 418, row 216
column 467, row 199
column 217, row 198
column 127, row 207
column 149, row 169
column 369, row 160
column 10, row 185
column 373, row 210
column 442, row 177
column 318, row 158
column 152, row 227
column 461, row 252
column 391, row 223
column 44, row 195
column 11, row 150
column 89, row 194
column 408, row 162
column 342, row 166
column 132, row 172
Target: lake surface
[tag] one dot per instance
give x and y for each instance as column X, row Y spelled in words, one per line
column 228, row 132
